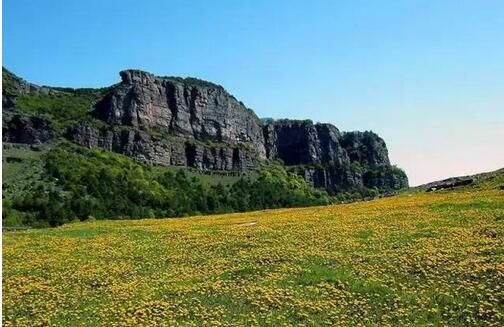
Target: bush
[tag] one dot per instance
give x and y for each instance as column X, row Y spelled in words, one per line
column 105, row 185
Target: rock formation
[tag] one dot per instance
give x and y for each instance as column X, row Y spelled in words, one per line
column 19, row 128
column 194, row 123
column 16, row 126
column 144, row 147
column 181, row 107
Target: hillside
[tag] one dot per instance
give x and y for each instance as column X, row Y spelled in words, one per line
column 168, row 124
column 62, row 182
column 414, row 259
column 490, row 179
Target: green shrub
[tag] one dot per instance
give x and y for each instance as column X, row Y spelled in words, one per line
column 105, row 185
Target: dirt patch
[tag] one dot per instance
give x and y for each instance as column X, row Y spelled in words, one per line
column 250, row 224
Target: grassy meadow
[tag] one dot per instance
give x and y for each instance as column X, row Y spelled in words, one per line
column 414, row 259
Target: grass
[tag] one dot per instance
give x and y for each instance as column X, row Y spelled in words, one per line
column 62, row 109
column 22, row 170
column 414, row 259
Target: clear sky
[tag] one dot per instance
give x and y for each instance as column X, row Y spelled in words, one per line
column 428, row 76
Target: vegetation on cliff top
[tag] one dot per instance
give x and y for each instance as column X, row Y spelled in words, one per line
column 193, row 81
column 61, row 109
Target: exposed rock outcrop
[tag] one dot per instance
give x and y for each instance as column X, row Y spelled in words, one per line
column 194, row 123
column 163, row 151
column 490, row 178
column 450, row 183
column 187, row 108
column 332, row 160
column 298, row 142
column 18, row 128
column 367, row 148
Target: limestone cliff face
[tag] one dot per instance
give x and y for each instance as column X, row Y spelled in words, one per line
column 16, row 126
column 366, row 148
column 182, row 107
column 193, row 123
column 298, row 142
column 150, row 149
column 329, row 159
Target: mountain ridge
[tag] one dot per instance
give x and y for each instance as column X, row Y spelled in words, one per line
column 194, row 123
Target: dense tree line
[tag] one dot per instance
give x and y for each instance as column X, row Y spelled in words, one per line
column 103, row 185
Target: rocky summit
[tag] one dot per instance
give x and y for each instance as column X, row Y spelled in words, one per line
column 173, row 121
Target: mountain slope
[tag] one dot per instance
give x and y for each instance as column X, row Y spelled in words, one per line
column 63, row 182
column 193, row 123
column 189, row 123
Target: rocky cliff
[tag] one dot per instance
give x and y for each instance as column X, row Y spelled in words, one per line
column 194, row 123
column 330, row 159
column 18, row 127
column 298, row 142
column 167, row 151
column 187, row 108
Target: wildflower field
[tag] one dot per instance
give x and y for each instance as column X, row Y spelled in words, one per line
column 414, row 259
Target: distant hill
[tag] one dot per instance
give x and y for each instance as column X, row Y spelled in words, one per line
column 489, row 179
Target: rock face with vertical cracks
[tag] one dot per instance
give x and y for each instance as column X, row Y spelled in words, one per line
column 186, row 108
column 161, row 151
column 188, row 122
column 330, row 159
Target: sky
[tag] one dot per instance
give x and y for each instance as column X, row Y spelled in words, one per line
column 427, row 76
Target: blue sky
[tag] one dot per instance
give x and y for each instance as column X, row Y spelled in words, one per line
column 428, row 76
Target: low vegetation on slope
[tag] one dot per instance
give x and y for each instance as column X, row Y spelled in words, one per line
column 61, row 109
column 68, row 182
column 415, row 259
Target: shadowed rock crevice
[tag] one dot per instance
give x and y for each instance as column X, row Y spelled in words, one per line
column 171, row 102
column 190, row 151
